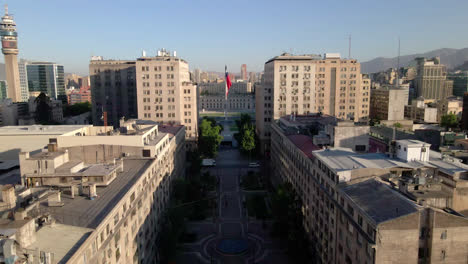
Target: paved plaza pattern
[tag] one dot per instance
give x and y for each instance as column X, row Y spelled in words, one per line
column 231, row 221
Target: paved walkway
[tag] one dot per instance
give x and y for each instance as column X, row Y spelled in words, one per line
column 231, row 221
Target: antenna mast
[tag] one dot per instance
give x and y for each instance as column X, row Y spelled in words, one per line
column 398, row 64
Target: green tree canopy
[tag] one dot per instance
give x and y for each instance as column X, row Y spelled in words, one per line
column 76, row 109
column 248, row 139
column 209, row 138
column 449, row 121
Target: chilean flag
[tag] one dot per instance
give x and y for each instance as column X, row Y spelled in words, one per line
column 228, row 81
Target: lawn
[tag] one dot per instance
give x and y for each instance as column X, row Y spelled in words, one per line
column 233, row 128
column 256, row 206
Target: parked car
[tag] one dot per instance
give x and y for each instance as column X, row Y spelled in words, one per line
column 254, row 164
column 208, row 162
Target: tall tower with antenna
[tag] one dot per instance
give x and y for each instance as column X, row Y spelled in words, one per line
column 10, row 50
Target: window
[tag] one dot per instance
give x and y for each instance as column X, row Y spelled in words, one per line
column 443, row 235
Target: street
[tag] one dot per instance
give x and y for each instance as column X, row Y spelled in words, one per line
column 231, row 221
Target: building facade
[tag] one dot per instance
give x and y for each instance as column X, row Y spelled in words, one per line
column 354, row 210
column 460, row 82
column 113, row 90
column 431, row 79
column 112, row 214
column 307, row 84
column 465, row 112
column 3, row 89
column 212, row 97
column 420, row 112
column 165, row 93
column 388, row 103
column 244, row 72
column 48, row 78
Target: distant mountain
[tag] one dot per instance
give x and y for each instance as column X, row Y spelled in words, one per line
column 450, row 57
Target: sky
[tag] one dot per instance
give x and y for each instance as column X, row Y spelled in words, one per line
column 211, row 34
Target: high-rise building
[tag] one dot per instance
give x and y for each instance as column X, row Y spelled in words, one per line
column 244, row 72
column 48, row 78
column 252, row 77
column 460, row 82
column 23, row 75
column 165, row 93
column 465, row 112
column 113, row 90
column 3, row 89
column 388, row 103
column 196, row 76
column 431, row 79
column 10, row 50
column 305, row 84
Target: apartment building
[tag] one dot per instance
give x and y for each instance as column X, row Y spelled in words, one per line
column 302, row 84
column 165, row 93
column 388, row 103
column 375, row 208
column 98, row 193
column 113, row 90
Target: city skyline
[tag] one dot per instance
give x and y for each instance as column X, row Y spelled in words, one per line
column 235, row 34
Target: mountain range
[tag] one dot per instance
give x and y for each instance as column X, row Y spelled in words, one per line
column 450, row 57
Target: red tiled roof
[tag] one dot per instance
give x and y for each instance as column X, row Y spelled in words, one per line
column 304, row 143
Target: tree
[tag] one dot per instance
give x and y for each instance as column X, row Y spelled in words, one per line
column 209, row 139
column 449, row 121
column 248, row 139
column 397, row 125
column 76, row 109
column 43, row 111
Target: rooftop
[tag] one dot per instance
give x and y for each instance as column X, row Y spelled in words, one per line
column 61, row 240
column 39, row 130
column 304, row 143
column 83, row 212
column 378, row 201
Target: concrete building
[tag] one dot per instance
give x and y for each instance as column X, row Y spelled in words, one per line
column 212, row 97
column 113, row 90
column 325, row 130
column 431, row 79
column 12, row 113
column 294, row 84
column 244, row 72
column 460, row 82
column 3, row 89
column 80, row 95
column 450, row 105
column 421, row 112
column 112, row 214
column 465, row 112
column 55, row 106
column 10, row 50
column 372, row 208
column 196, row 76
column 165, row 93
column 388, row 103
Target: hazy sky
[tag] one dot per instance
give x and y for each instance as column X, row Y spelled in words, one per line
column 210, row 34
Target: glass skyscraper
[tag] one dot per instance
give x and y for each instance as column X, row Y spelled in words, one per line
column 48, row 78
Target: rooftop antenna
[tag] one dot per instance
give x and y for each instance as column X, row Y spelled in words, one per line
column 349, row 47
column 398, row 65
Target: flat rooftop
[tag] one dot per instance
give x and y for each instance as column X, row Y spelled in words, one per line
column 61, row 240
column 378, row 201
column 39, row 130
column 304, row 143
column 83, row 212
column 170, row 129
